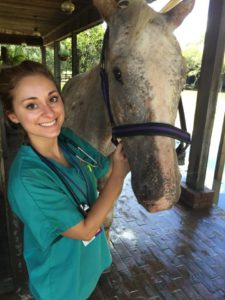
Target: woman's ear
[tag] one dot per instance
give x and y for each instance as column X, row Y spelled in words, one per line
column 12, row 117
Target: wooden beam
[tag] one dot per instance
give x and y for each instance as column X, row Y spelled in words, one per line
column 207, row 95
column 43, row 55
column 17, row 39
column 27, row 25
column 5, row 266
column 219, row 165
column 76, row 23
column 57, row 65
column 75, row 55
column 32, row 4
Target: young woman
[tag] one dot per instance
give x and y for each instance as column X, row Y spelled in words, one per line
column 52, row 188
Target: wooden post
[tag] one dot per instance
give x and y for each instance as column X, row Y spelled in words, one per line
column 6, row 278
column 75, row 55
column 43, row 55
column 57, row 71
column 219, row 165
column 206, row 106
column 13, row 241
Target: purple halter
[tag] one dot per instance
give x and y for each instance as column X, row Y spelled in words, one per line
column 150, row 128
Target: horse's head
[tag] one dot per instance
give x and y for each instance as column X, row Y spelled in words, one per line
column 146, row 74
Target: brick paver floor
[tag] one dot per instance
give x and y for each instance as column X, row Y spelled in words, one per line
column 175, row 254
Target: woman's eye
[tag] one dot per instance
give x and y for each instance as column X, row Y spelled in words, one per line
column 54, row 99
column 31, row 106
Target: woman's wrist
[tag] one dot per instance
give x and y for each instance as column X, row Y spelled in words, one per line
column 117, row 178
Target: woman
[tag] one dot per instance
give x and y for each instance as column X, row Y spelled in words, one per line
column 52, row 188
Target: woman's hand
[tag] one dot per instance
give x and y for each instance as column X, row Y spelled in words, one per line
column 87, row 228
column 120, row 162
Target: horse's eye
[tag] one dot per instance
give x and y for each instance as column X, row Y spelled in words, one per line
column 117, row 74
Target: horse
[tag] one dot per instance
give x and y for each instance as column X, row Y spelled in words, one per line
column 145, row 74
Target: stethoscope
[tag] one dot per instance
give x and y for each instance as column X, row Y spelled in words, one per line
column 69, row 147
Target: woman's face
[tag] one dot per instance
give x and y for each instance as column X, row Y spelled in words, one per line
column 38, row 107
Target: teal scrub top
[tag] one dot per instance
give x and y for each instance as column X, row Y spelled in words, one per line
column 59, row 268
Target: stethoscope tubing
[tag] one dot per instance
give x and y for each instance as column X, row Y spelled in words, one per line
column 62, row 175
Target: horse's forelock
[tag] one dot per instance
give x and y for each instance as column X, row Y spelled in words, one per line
column 127, row 24
column 108, row 8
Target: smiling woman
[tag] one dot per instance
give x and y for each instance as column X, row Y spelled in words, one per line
column 38, row 107
column 52, row 188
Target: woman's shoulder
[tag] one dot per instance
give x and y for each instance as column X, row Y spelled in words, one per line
column 26, row 164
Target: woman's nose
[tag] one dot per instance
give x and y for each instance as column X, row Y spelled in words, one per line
column 48, row 110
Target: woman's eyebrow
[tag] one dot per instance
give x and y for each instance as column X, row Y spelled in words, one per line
column 29, row 98
column 54, row 91
column 33, row 98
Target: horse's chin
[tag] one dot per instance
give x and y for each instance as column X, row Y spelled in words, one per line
column 161, row 204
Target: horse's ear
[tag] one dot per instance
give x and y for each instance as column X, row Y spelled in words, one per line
column 176, row 15
column 107, row 8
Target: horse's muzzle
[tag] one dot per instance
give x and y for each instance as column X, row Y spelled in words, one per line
column 160, row 205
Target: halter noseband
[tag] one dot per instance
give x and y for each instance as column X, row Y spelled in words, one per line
column 150, row 128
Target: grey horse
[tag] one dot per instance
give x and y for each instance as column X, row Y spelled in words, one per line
column 146, row 74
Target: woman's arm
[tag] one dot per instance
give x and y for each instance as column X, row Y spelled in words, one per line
column 88, row 227
column 103, row 180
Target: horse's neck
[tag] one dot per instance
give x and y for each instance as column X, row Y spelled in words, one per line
column 90, row 119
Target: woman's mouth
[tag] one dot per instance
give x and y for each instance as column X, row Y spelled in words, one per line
column 48, row 124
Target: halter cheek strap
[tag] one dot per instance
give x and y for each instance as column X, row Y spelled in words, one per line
column 150, row 128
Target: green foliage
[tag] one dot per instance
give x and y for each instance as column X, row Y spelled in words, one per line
column 193, row 60
column 89, row 47
column 18, row 53
column 65, row 55
column 223, row 70
column 193, row 56
column 50, row 58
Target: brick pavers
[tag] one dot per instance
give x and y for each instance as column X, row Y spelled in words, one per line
column 171, row 255
column 176, row 254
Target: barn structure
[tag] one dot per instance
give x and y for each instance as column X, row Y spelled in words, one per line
column 177, row 254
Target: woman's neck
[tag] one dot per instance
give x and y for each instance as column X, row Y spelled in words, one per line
column 50, row 148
